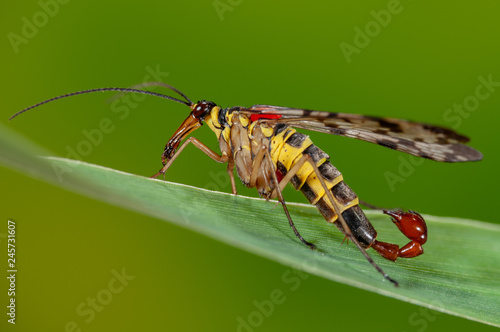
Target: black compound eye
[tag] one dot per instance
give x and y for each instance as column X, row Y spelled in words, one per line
column 202, row 108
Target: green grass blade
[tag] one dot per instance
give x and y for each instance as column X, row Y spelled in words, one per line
column 458, row 274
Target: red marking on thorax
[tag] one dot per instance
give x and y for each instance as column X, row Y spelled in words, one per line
column 255, row 117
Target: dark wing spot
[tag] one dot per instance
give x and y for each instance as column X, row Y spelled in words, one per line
column 394, row 127
column 306, row 112
column 338, row 131
column 425, row 155
column 442, row 140
column 333, row 115
column 387, row 144
column 381, row 131
column 450, row 134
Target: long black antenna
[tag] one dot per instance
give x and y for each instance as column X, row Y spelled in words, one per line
column 187, row 103
column 165, row 85
column 152, row 83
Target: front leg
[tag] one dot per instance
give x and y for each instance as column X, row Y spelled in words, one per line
column 205, row 149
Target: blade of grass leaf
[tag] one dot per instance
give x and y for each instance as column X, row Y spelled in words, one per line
column 458, row 273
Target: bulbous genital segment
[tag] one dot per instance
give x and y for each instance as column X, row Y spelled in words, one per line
column 413, row 226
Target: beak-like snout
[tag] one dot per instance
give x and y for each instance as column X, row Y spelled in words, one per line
column 188, row 126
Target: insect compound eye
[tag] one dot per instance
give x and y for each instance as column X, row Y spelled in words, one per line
column 202, row 108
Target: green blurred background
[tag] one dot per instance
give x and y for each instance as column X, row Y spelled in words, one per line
column 427, row 57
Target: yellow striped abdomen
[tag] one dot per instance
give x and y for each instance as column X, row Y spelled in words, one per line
column 287, row 148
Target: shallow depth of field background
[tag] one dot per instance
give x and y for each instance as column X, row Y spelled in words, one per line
column 416, row 64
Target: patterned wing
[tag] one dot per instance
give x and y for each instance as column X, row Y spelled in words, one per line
column 415, row 138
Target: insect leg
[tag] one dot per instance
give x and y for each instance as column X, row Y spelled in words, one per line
column 230, row 168
column 257, row 163
column 294, row 170
column 370, row 206
column 205, row 149
column 266, row 154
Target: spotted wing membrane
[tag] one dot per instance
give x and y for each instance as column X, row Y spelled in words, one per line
column 418, row 139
